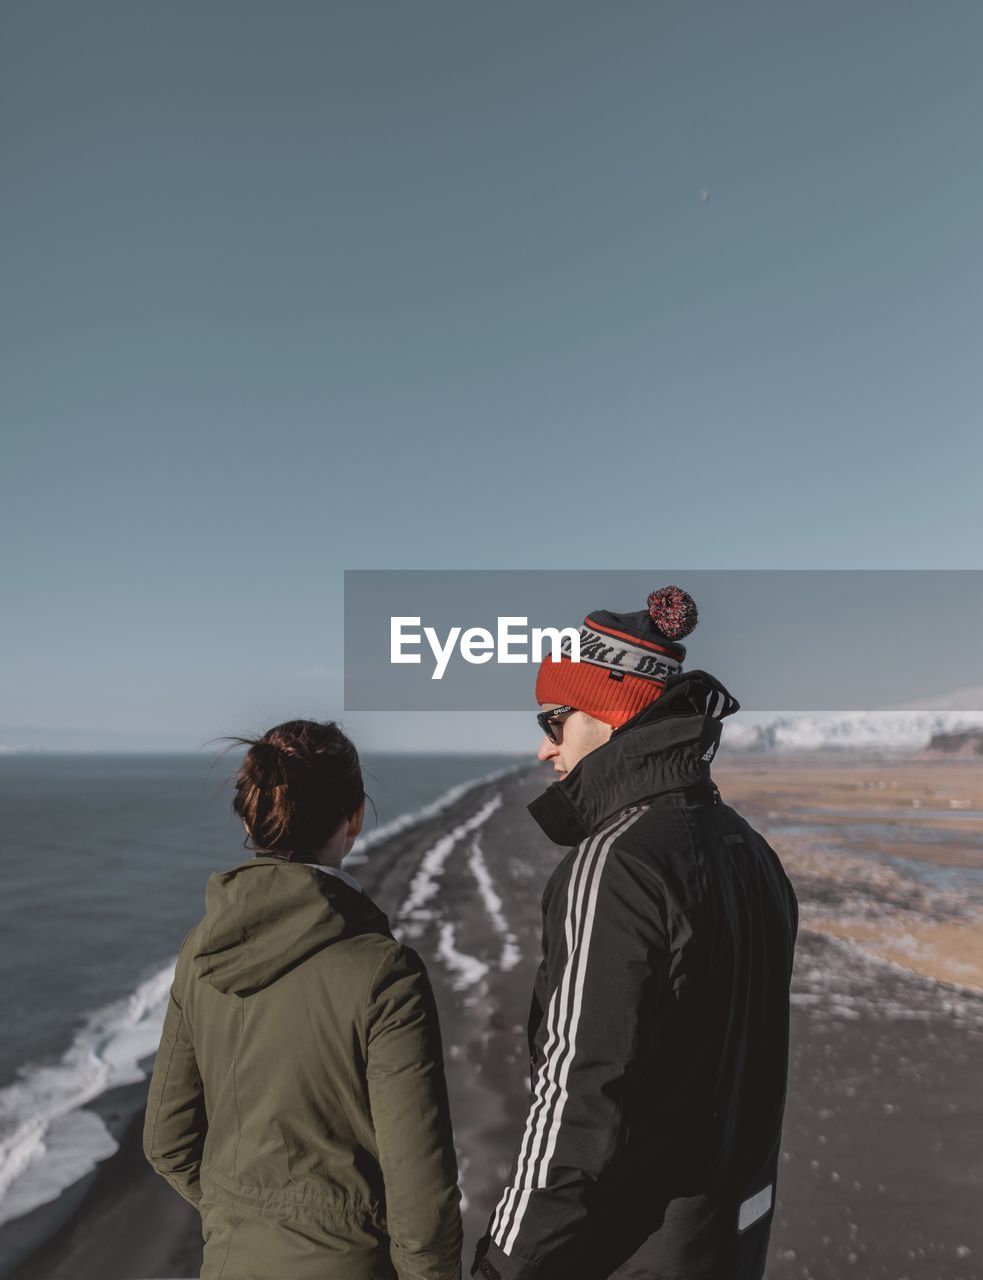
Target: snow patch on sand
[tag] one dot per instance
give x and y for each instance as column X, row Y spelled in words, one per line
column 467, row 970
column 511, row 955
column 426, row 882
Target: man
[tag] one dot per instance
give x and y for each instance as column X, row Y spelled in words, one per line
column 659, row 1022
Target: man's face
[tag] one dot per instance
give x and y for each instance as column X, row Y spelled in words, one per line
column 579, row 734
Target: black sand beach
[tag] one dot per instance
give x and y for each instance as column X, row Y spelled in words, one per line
column 882, row 1172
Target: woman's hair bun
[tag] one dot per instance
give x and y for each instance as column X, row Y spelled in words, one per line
column 260, row 763
column 296, row 785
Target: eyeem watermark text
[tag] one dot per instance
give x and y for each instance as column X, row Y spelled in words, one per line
column 511, row 641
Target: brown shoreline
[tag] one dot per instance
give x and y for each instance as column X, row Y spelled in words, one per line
column 856, row 782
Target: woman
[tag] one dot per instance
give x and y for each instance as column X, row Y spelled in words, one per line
column 298, row 1097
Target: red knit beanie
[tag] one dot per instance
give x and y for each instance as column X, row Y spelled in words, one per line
column 625, row 658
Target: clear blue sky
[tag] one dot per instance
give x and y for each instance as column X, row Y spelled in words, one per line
column 288, row 289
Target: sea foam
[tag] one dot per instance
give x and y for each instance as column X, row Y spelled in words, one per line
column 46, row 1143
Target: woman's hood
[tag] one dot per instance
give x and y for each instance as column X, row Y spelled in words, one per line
column 267, row 916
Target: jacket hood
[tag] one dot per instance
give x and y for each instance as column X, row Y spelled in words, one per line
column 268, row 915
column 667, row 747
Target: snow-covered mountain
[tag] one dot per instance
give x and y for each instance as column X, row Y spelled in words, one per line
column 901, row 730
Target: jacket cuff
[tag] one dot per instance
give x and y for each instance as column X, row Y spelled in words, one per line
column 490, row 1263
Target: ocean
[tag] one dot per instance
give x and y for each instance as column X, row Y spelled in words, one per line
column 102, row 872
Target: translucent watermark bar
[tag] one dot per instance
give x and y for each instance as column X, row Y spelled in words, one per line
column 778, row 639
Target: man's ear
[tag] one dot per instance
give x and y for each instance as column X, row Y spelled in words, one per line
column 355, row 822
column 600, row 727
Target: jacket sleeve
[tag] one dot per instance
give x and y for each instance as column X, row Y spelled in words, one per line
column 605, row 962
column 176, row 1124
column 411, row 1116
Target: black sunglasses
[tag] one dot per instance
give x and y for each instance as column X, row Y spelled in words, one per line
column 547, row 719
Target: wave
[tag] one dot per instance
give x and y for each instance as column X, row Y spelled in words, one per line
column 47, row 1141
column 46, row 1144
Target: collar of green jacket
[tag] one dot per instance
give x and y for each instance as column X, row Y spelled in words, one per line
column 268, row 915
column 668, row 746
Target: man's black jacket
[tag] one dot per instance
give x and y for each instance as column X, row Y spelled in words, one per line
column 659, row 1022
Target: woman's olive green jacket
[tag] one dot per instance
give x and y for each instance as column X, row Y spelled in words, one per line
column 298, row 1098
